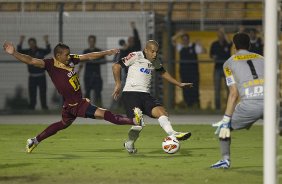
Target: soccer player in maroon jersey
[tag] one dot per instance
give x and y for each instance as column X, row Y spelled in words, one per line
column 61, row 71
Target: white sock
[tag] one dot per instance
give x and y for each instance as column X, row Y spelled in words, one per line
column 165, row 124
column 35, row 141
column 133, row 134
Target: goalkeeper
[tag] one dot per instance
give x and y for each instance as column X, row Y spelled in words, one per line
column 244, row 72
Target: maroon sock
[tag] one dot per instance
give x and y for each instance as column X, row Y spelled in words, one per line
column 117, row 119
column 51, row 130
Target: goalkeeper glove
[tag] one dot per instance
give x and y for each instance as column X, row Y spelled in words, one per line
column 223, row 127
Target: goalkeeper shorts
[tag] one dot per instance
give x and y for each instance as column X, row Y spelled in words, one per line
column 246, row 113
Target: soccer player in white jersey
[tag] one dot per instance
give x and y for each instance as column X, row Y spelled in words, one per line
column 244, row 72
column 136, row 92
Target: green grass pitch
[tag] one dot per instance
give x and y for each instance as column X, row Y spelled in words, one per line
column 94, row 154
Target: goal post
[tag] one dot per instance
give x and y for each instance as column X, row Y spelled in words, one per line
column 270, row 87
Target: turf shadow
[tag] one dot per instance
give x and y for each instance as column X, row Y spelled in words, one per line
column 252, row 170
column 24, row 179
column 6, row 166
column 204, row 148
column 61, row 156
column 161, row 154
column 105, row 150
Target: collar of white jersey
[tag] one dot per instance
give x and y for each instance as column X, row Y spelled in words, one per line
column 144, row 55
column 242, row 51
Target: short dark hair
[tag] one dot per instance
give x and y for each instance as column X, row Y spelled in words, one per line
column 92, row 36
column 241, row 41
column 121, row 42
column 31, row 40
column 60, row 47
column 152, row 42
column 252, row 30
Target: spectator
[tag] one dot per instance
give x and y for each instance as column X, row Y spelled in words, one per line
column 37, row 76
column 189, row 67
column 241, row 29
column 123, row 52
column 220, row 51
column 256, row 45
column 134, row 43
column 92, row 73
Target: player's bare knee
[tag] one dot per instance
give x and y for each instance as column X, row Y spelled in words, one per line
column 99, row 113
column 159, row 111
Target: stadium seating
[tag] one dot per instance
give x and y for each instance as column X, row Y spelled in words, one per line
column 182, row 10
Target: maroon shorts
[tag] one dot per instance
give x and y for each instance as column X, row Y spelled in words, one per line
column 70, row 112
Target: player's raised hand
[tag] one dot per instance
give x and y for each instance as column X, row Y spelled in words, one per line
column 46, row 38
column 22, row 37
column 117, row 91
column 9, row 47
column 132, row 24
column 112, row 51
column 186, row 85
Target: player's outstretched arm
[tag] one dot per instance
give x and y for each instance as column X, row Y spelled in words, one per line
column 172, row 80
column 10, row 49
column 116, row 72
column 95, row 55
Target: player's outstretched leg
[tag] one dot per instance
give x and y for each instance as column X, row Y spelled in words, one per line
column 49, row 131
column 31, row 144
column 182, row 136
column 166, row 125
column 122, row 120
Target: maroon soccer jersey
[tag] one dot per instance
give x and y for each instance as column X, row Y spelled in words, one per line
column 65, row 79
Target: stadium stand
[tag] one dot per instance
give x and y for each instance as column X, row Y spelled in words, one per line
column 248, row 10
column 190, row 15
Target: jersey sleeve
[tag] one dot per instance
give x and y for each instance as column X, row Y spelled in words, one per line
column 228, row 74
column 48, row 64
column 128, row 60
column 74, row 58
column 158, row 65
column 198, row 48
column 179, row 47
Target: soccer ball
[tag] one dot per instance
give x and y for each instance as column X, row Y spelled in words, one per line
column 170, row 144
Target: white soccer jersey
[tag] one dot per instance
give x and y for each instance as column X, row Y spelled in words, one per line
column 140, row 69
column 246, row 70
